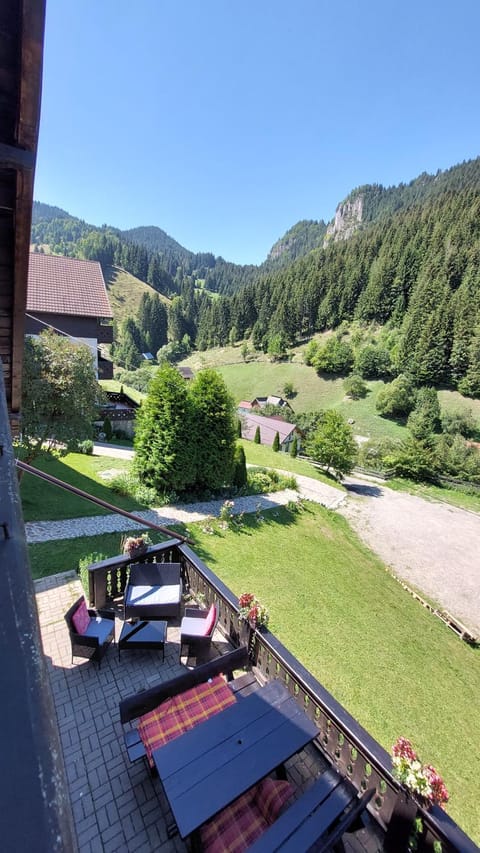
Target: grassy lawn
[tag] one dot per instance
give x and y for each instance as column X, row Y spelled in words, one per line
column 395, row 667
column 453, row 401
column 260, row 377
column 44, row 502
column 263, row 377
column 437, row 493
column 259, row 454
column 64, row 557
column 125, row 292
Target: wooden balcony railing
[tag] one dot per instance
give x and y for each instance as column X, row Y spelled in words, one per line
column 341, row 739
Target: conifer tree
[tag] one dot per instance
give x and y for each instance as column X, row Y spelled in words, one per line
column 276, row 443
column 164, row 428
column 239, row 478
column 213, row 430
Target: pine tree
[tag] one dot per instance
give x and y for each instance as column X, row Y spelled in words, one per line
column 164, row 427
column 257, row 436
column 214, row 430
column 294, row 446
column 276, row 443
column 239, row 478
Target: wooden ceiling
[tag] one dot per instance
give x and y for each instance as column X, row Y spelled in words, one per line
column 21, row 53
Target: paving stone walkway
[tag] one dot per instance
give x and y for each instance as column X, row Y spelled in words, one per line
column 43, row 531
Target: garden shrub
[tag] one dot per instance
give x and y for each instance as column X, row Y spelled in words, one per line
column 85, row 447
column 83, row 563
column 129, row 485
column 239, row 477
column 107, row 428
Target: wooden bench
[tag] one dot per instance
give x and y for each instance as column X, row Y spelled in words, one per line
column 146, row 700
column 324, row 811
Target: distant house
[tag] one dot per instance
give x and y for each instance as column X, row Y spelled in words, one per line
column 268, row 428
column 120, row 409
column 70, row 296
column 186, row 372
column 271, row 400
column 244, row 406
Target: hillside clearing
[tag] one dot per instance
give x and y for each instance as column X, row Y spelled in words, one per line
column 125, row 292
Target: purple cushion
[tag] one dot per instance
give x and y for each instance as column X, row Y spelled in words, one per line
column 271, row 796
column 81, row 618
column 210, row 620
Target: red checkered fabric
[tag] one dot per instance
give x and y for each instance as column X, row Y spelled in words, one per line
column 235, row 828
column 180, row 713
column 272, row 794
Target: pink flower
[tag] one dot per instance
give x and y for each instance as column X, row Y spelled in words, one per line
column 402, row 748
column 439, row 793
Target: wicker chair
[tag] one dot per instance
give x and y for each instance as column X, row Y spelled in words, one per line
column 91, row 631
column 197, row 629
column 153, row 591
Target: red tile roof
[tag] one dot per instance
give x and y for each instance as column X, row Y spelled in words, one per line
column 58, row 285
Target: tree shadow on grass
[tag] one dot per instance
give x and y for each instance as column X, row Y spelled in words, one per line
column 45, row 501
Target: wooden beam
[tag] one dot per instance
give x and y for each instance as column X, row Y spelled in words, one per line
column 13, row 157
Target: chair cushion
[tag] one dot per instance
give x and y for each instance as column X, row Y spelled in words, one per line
column 182, row 712
column 143, row 595
column 192, row 627
column 235, row 828
column 99, row 628
column 81, row 618
column 210, row 621
column 271, row 796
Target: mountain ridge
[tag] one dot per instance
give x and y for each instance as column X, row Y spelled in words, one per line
column 362, row 207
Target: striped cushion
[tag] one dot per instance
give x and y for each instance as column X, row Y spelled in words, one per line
column 180, row 713
column 235, row 828
column 272, row 794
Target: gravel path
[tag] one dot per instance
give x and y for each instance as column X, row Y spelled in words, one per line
column 432, row 546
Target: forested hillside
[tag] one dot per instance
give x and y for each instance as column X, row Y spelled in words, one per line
column 417, row 270
column 411, row 265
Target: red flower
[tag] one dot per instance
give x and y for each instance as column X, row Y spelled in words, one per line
column 246, row 600
column 402, row 748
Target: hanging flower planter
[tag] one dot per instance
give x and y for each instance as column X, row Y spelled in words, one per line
column 135, row 546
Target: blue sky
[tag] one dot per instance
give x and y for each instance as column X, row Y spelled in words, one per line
column 224, row 122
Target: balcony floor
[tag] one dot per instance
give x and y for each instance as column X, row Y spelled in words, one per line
column 117, row 806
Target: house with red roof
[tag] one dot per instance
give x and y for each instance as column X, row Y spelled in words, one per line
column 69, row 296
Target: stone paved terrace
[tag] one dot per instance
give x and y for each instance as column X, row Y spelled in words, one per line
column 117, row 806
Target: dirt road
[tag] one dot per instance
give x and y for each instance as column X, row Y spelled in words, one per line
column 434, row 547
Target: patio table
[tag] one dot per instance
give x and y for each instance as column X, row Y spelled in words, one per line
column 143, row 635
column 208, row 767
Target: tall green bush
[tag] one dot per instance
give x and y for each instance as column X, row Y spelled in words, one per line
column 164, row 450
column 213, row 430
column 239, row 478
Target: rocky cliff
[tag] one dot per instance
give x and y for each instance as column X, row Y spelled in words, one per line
column 348, row 217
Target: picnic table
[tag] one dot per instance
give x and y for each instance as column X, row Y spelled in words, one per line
column 208, row 767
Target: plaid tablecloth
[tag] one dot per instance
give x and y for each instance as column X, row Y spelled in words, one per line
column 180, row 713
